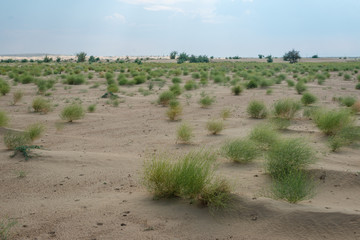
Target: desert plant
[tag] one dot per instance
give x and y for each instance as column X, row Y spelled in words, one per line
column 300, row 87
column 190, row 85
column 91, row 108
column 264, row 135
column 292, row 56
column 17, row 96
column 175, row 110
column 332, row 121
column 184, row 133
column 308, row 98
column 257, row 109
column 287, row 156
column 176, row 89
column 348, row 101
column 206, row 101
column 25, row 151
column 344, row 137
column 356, row 107
column 293, row 187
column 173, row 54
column 75, row 79
column 225, row 113
column 236, row 90
column 240, row 150
column 216, row 195
column 34, row 131
column 286, row 108
column 81, row 57
column 5, row 227
column 16, row 139
column 72, row 112
column 113, row 88
column 215, row 126
column 165, row 97
column 40, row 104
column 4, row 87
column 4, row 119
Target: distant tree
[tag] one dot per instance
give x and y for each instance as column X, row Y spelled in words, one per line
column 58, row 59
column 47, row 59
column 183, row 57
column 24, row 60
column 315, row 56
column 92, row 59
column 138, row 61
column 81, row 56
column 292, row 56
column 173, row 54
column 269, row 59
column 261, row 56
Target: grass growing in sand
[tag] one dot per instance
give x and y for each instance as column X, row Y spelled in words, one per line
column 240, row 150
column 215, row 126
column 184, row 133
column 72, row 112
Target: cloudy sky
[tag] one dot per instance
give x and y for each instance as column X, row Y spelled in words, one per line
column 217, row 28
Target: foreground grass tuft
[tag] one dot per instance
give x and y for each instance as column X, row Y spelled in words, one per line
column 240, row 150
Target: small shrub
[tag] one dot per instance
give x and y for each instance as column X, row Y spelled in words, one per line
column 4, row 87
column 184, row 133
column 293, row 187
column 357, row 86
column 206, row 101
column 34, row 131
column 356, row 107
column 264, row 136
column 300, row 87
column 17, row 96
column 308, row 98
column 269, row 92
column 290, row 83
column 5, row 227
column 176, row 89
column 176, row 80
column 165, row 97
column 91, row 108
column 190, row 85
column 346, row 136
column 13, row 140
column 174, row 112
column 287, row 156
column 240, row 150
column 257, row 109
column 113, row 88
column 251, row 84
column 225, row 113
column 4, row 119
column 72, row 112
column 236, row 90
column 286, row 108
column 216, row 195
column 348, row 101
column 215, row 126
column 25, row 151
column 332, row 121
column 40, row 104
column 75, row 79
column 347, row 77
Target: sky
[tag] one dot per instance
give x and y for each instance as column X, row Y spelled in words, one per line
column 219, row 28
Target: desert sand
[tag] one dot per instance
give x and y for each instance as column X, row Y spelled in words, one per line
column 86, row 181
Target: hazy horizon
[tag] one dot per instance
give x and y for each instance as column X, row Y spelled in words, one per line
column 216, row 28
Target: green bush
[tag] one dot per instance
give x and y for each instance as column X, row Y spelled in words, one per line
column 113, row 88
column 344, row 137
column 72, row 112
column 91, row 108
column 190, row 176
column 225, row 113
column 190, row 85
column 357, row 86
column 240, row 150
column 332, row 121
column 75, row 79
column 13, row 140
column 286, row 108
column 176, row 80
column 17, row 96
column 176, row 89
column 215, row 126
column 174, row 111
column 4, row 87
column 347, row 77
column 184, row 133
column 165, row 97
column 287, row 156
column 348, row 101
column 300, row 87
column 257, row 109
column 4, row 119
column 308, row 98
column 236, row 90
column 264, row 135
column 34, row 131
column 293, row 187
column 206, row 101
column 40, row 104
column 251, row 84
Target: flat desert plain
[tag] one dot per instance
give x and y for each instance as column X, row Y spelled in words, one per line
column 86, row 181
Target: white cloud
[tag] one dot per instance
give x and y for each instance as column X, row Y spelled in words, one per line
column 163, row 8
column 116, row 17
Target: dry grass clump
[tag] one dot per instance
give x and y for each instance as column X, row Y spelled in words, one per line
column 13, row 140
column 40, row 104
column 240, row 150
column 17, row 96
column 72, row 112
column 331, row 122
column 215, row 126
column 4, row 119
column 175, row 110
column 257, row 109
column 225, row 113
column 286, row 108
column 264, row 135
column 184, row 133
column 34, row 131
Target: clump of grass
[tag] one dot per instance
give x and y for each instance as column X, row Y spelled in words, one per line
column 300, row 87
column 176, row 89
column 72, row 112
column 346, row 136
column 240, row 150
column 264, row 135
column 308, row 98
column 113, row 88
column 257, row 109
column 13, row 140
column 348, row 101
column 331, row 122
column 205, row 100
column 5, row 227
column 34, row 131
column 75, row 79
column 237, row 90
column 184, row 133
column 4, row 119
column 190, row 85
column 91, row 108
column 40, row 104
column 288, row 155
column 165, row 97
column 286, row 108
column 175, row 109
column 356, row 107
column 190, row 176
column 4, row 87
column 17, row 96
column 225, row 113
column 293, row 187
column 269, row 91
column 215, row 126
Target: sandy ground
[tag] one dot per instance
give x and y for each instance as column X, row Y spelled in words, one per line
column 86, row 181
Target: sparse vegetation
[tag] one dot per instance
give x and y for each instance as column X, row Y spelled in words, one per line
column 40, row 104
column 257, row 109
column 240, row 150
column 72, row 112
column 215, row 126
column 184, row 133
column 4, row 119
